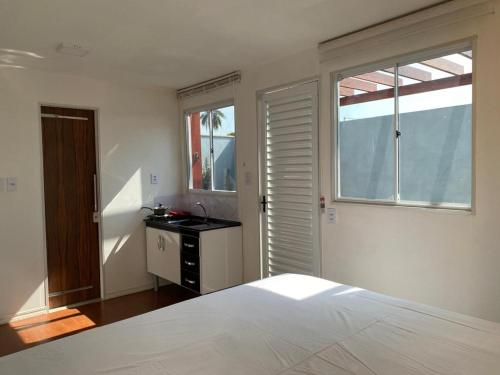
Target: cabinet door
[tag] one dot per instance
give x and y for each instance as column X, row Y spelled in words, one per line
column 221, row 259
column 163, row 254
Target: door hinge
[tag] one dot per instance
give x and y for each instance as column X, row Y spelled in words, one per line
column 398, row 134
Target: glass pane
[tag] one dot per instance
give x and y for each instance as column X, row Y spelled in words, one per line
column 435, row 106
column 224, row 148
column 366, row 136
column 200, row 174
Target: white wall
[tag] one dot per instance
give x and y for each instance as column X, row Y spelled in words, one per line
column 443, row 258
column 297, row 67
column 138, row 134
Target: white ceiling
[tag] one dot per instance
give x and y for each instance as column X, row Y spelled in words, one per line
column 173, row 43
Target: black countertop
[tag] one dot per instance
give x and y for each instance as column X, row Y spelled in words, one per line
column 192, row 225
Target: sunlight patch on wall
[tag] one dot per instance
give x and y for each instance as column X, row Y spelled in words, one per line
column 128, row 199
column 36, row 298
column 114, row 244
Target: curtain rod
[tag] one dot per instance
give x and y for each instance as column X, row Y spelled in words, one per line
column 386, row 21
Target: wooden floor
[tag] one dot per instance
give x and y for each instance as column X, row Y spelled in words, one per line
column 33, row 331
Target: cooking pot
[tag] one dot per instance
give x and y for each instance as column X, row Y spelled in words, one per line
column 159, row 210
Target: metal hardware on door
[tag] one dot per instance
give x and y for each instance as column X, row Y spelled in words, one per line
column 161, row 243
column 398, row 134
column 189, row 263
column 190, row 281
column 188, row 245
column 63, row 292
column 95, row 215
column 263, row 202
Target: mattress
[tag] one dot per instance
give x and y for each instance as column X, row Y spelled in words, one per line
column 288, row 324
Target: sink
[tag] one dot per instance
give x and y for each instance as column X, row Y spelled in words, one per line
column 191, row 223
column 188, row 222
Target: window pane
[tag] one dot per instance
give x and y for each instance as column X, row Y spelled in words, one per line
column 224, row 148
column 366, row 136
column 435, row 106
column 199, row 150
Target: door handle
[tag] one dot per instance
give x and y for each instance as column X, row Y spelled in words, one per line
column 95, row 192
column 263, row 202
column 95, row 214
column 161, row 242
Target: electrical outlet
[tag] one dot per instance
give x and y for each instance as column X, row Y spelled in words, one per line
column 331, row 213
column 154, row 179
column 11, row 184
column 248, row 178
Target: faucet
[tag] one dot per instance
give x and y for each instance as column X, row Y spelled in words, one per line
column 204, row 210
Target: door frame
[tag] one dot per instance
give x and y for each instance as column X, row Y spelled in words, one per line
column 261, row 132
column 99, row 198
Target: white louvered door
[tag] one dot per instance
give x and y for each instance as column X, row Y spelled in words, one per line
column 289, row 180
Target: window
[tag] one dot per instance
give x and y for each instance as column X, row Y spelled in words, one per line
column 211, row 149
column 404, row 131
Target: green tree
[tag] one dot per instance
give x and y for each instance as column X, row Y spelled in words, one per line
column 206, row 175
column 217, row 117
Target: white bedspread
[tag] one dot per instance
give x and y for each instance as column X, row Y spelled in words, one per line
column 288, row 324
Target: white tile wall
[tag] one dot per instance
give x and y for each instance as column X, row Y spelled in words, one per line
column 218, row 206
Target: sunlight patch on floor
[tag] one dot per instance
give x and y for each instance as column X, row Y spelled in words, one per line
column 51, row 325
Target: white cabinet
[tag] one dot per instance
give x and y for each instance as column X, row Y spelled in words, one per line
column 204, row 261
column 163, row 254
column 221, row 259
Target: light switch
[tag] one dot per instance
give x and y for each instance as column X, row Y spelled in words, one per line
column 154, row 179
column 331, row 213
column 11, row 183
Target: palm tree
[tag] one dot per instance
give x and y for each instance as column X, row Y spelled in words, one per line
column 217, row 117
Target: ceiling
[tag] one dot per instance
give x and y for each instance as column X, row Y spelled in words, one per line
column 174, row 43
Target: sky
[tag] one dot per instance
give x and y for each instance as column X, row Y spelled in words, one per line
column 227, row 123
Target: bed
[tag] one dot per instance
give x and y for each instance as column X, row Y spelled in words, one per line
column 288, row 324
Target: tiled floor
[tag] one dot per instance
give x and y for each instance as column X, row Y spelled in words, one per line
column 28, row 332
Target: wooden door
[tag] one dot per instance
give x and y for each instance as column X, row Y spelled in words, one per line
column 70, row 187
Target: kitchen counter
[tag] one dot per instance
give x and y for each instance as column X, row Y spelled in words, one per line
column 192, row 225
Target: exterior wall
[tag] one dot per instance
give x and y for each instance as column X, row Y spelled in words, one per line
column 435, row 156
column 224, row 161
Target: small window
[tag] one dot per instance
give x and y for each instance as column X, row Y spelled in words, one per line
column 211, row 149
column 404, row 132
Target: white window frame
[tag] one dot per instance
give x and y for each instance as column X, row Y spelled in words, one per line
column 187, row 148
column 434, row 52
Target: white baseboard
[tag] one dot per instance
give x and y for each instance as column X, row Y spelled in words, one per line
column 124, row 292
column 23, row 314
column 44, row 309
column 75, row 305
